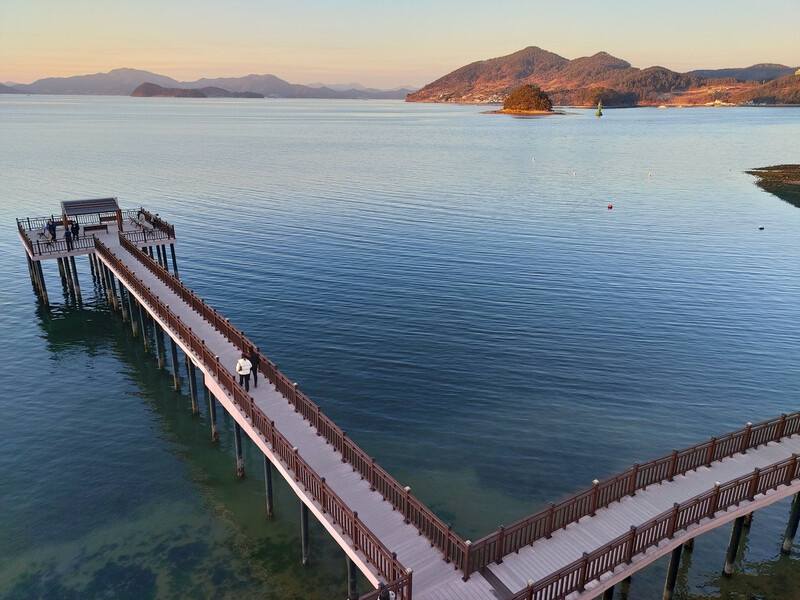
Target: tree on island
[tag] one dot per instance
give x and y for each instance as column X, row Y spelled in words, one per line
column 528, row 98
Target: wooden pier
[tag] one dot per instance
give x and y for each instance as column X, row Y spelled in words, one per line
column 578, row 548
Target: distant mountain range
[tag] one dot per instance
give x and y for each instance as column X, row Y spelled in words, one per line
column 122, row 82
column 584, row 81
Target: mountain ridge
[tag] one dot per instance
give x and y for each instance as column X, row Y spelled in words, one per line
column 586, row 80
column 123, row 81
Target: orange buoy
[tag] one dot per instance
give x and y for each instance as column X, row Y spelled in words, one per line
column 610, row 206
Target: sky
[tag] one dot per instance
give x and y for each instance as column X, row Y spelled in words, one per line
column 380, row 43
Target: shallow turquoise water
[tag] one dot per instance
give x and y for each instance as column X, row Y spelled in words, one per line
column 477, row 320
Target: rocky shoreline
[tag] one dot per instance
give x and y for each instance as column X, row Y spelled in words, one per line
column 781, row 180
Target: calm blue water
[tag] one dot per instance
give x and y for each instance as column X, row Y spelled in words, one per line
column 477, row 320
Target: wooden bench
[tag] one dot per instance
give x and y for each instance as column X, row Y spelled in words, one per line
column 107, row 218
column 95, row 227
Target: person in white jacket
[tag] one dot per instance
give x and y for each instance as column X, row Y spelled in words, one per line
column 243, row 367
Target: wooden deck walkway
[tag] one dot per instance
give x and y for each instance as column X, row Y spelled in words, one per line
column 575, row 550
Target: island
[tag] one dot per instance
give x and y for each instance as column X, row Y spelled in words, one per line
column 152, row 90
column 527, row 100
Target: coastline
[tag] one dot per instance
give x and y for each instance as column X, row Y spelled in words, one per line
column 781, row 180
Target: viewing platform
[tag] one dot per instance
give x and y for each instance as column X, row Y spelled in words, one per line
column 580, row 547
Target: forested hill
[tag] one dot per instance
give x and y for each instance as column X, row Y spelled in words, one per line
column 584, row 81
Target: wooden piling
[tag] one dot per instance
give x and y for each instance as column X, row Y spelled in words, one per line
column 192, row 384
column 672, row 573
column 733, row 546
column 75, row 277
column 237, row 437
column 352, row 580
column 304, row 531
column 791, row 527
column 268, row 485
column 212, row 414
column 176, row 376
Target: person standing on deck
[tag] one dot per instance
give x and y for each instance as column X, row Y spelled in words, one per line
column 68, row 238
column 243, row 367
column 255, row 360
column 75, row 229
column 51, row 227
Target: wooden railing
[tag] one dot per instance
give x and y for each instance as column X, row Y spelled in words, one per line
column 362, row 538
column 413, row 510
column 472, row 556
column 157, row 222
column 25, row 239
column 543, row 523
column 44, row 247
column 623, row 549
column 148, row 236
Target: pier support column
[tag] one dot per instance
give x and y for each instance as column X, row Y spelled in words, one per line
column 122, row 301
column 352, row 592
column 75, row 277
column 625, row 589
column 91, row 265
column 609, row 594
column 268, row 485
column 733, row 546
column 131, row 302
column 164, row 254
column 672, row 573
column 161, row 347
column 30, row 272
column 748, row 519
column 192, row 384
column 176, row 376
column 237, row 442
column 212, row 414
column 143, row 323
column 42, row 284
column 61, row 270
column 304, row 531
column 68, row 274
column 158, row 255
column 174, row 262
column 791, row 527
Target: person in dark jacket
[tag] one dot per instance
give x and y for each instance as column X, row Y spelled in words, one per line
column 51, row 227
column 255, row 360
column 75, row 229
column 68, row 238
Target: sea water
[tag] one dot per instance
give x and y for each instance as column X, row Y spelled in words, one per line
column 498, row 309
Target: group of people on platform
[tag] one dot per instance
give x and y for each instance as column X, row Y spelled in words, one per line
column 248, row 365
column 71, row 232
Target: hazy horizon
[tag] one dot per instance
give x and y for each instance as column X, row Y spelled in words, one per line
column 383, row 46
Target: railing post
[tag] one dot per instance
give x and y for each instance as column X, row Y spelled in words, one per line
column 344, row 435
column 372, row 474
column 323, row 494
column 710, row 452
column 294, row 396
column 530, row 590
column 448, row 535
column 498, row 554
column 712, row 506
column 355, row 530
column 548, row 524
column 595, row 484
column 673, row 519
column 754, row 484
column 673, row 465
column 467, row 553
column 406, row 508
column 631, row 540
column 746, row 438
column 632, row 483
column 781, row 427
column 790, row 471
column 584, row 568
